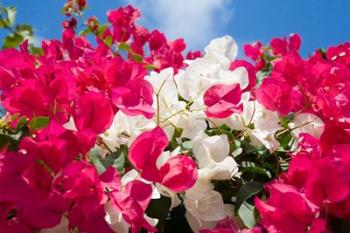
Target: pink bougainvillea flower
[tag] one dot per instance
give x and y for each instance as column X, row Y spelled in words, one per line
column 157, row 40
column 132, row 204
column 122, row 20
column 330, row 187
column 281, row 46
column 119, row 72
column 276, row 95
column 222, row 100
column 27, row 194
column 178, row 173
column 192, row 55
column 80, row 184
column 294, row 42
column 228, row 225
column 145, row 150
column 254, row 51
column 334, row 134
column 130, row 201
column 165, row 53
column 27, row 101
column 93, row 111
column 293, row 69
column 286, row 207
column 111, row 179
column 251, row 72
column 135, row 99
column 339, row 54
column 225, row 225
column 141, row 37
column 53, row 153
column 319, row 225
column 131, row 93
column 78, row 180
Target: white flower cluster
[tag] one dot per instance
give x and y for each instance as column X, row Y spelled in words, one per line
column 178, row 102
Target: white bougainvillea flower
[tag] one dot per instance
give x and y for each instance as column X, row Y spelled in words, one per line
column 238, row 75
column 166, row 103
column 222, row 50
column 210, row 207
column 204, row 205
column 212, row 154
column 265, row 124
column 196, row 225
column 115, row 219
column 125, row 129
column 193, row 124
column 212, row 68
column 307, row 123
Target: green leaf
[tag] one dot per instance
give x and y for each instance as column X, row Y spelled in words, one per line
column 286, row 119
column 24, row 29
column 284, row 137
column 108, row 41
column 124, row 46
column 116, row 159
column 173, row 144
column 137, row 57
column 339, row 225
column 12, row 40
column 159, row 208
column 119, row 163
column 85, row 32
column 224, row 127
column 187, row 145
column 39, row 122
column 4, row 141
column 247, row 191
column 150, row 67
column 246, row 214
column 256, row 170
column 95, row 159
column 22, row 123
column 2, row 23
column 101, row 29
column 11, row 15
column 36, row 51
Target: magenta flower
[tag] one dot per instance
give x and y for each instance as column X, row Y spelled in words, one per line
column 223, row 100
column 178, row 173
column 93, row 111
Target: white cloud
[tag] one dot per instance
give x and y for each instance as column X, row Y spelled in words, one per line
column 37, row 40
column 197, row 21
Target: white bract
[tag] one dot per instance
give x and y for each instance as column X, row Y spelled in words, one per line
column 307, row 123
column 214, row 162
column 257, row 122
column 125, row 129
column 212, row 68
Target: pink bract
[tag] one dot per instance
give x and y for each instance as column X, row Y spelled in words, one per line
column 223, row 100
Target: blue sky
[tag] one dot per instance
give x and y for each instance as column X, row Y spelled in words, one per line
column 321, row 23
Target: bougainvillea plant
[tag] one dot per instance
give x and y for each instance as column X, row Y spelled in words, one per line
column 128, row 134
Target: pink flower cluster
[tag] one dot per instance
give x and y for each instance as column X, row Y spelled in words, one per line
column 316, row 186
column 50, row 175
